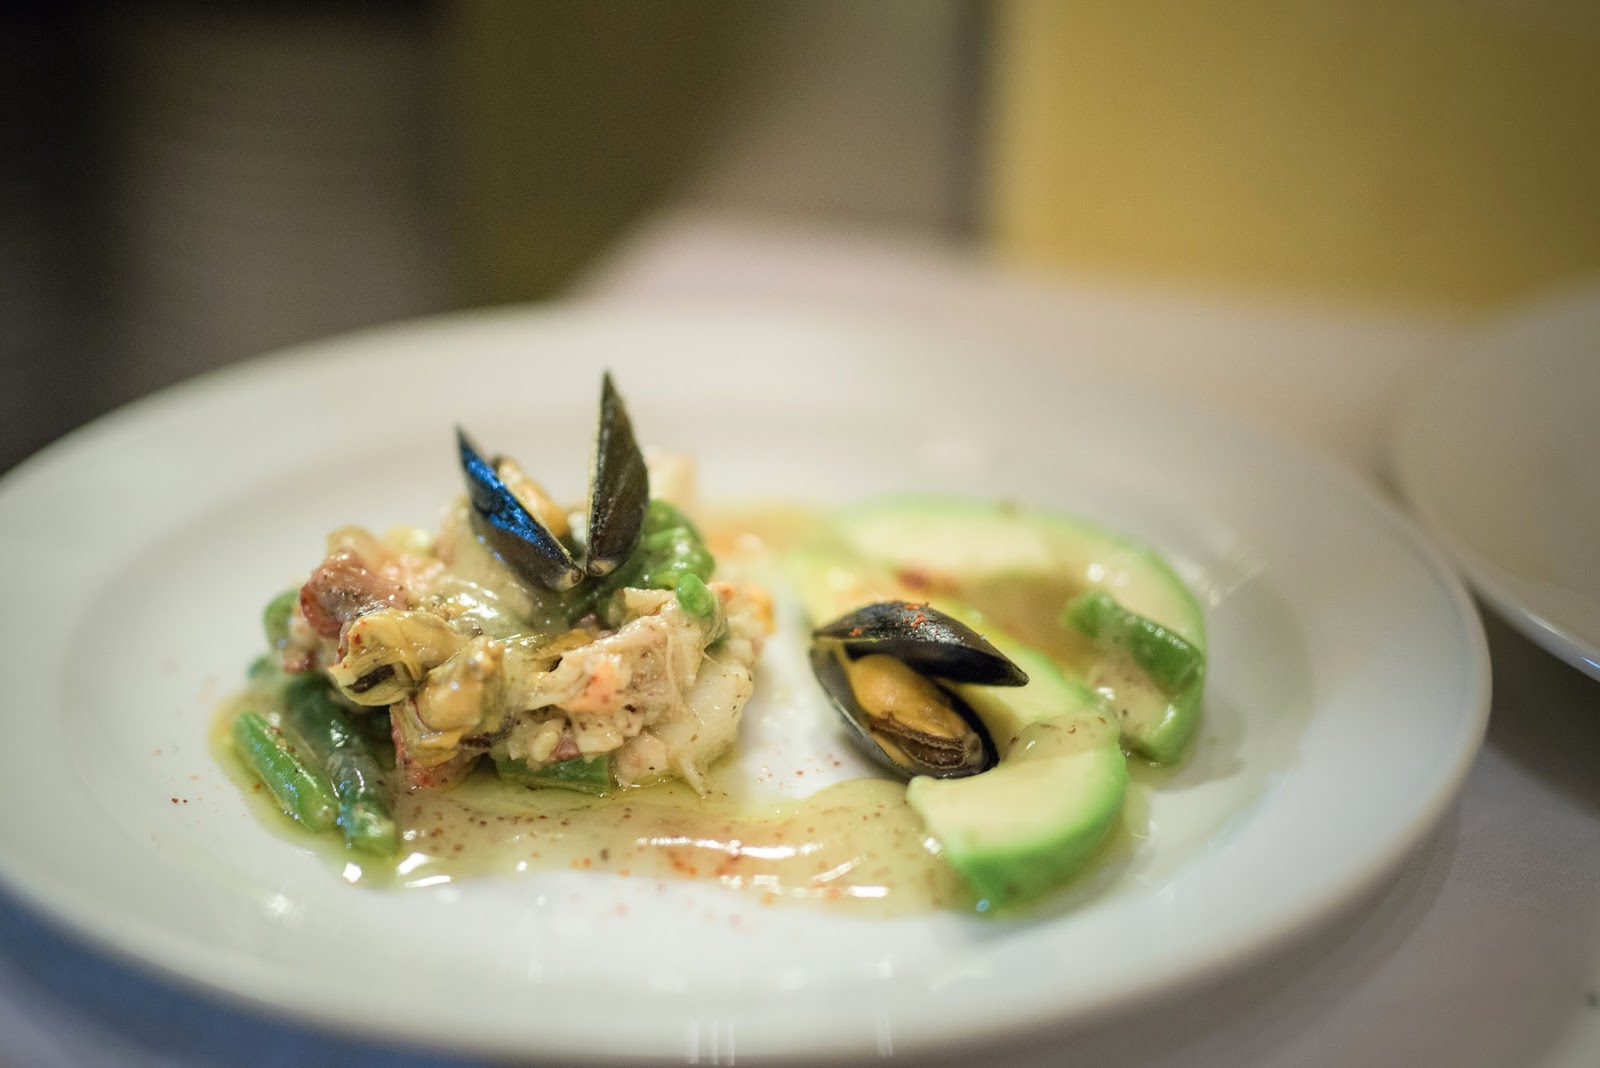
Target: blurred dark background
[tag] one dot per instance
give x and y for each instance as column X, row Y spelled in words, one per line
column 184, row 184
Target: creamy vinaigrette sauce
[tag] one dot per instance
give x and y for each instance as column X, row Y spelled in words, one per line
column 854, row 845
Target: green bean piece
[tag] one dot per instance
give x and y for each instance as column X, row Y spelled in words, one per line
column 670, row 548
column 364, row 815
column 589, row 775
column 263, row 668
column 664, row 515
column 696, row 597
column 275, row 617
column 301, row 787
column 1169, row 660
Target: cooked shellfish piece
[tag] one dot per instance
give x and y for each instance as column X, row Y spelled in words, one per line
column 925, row 638
column 510, row 529
column 879, row 666
column 906, row 723
column 517, row 519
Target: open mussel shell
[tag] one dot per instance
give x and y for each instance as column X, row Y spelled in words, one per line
column 619, row 498
column 619, row 487
column 925, row 639
column 535, row 554
column 957, row 747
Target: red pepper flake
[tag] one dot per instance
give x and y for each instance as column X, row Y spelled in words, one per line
column 799, row 773
column 856, row 632
column 174, row 800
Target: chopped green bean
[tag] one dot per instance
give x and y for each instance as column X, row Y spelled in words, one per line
column 695, row 597
column 670, row 548
column 310, row 712
column 1169, row 660
column 300, row 786
column 263, row 668
column 275, row 617
column 589, row 775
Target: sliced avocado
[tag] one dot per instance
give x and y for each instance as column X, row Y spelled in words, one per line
column 833, row 582
column 968, row 541
column 964, row 546
column 1020, row 828
column 1024, row 826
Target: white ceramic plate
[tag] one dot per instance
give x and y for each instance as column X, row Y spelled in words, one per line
column 1499, row 454
column 1347, row 695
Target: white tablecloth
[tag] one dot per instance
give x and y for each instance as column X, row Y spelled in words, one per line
column 1483, row 951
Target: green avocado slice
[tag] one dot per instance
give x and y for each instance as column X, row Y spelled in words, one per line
column 1022, row 828
column 976, row 540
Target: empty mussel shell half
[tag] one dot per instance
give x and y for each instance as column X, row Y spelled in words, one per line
column 902, row 720
column 928, row 640
column 619, row 497
column 619, row 487
column 536, row 555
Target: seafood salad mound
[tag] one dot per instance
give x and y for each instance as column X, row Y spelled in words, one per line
column 1001, row 666
column 587, row 648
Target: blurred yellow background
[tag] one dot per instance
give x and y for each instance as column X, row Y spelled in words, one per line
column 1439, row 153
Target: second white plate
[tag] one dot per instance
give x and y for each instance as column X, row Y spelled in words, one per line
column 1498, row 451
column 1347, row 694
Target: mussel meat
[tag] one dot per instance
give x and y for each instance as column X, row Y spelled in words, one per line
column 619, row 495
column 883, row 667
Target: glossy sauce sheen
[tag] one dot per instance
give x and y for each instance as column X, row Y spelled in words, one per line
column 854, row 845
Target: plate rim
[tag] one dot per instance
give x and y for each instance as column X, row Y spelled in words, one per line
column 1409, row 425
column 82, row 924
